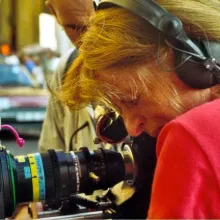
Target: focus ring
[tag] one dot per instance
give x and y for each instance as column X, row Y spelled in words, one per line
column 56, row 172
column 49, row 176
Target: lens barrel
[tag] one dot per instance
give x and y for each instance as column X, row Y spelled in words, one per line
column 53, row 176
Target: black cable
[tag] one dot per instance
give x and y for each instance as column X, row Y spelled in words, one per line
column 76, row 131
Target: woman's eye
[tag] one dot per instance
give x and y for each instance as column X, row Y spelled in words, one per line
column 130, row 103
column 133, row 102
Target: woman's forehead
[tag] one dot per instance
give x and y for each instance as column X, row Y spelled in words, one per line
column 122, row 81
column 126, row 74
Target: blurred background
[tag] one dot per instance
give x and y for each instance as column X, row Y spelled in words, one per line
column 30, row 49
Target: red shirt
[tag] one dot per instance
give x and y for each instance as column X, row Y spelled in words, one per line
column 187, row 176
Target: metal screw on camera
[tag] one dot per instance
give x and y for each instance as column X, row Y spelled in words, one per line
column 208, row 66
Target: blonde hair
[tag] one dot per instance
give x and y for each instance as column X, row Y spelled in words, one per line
column 117, row 37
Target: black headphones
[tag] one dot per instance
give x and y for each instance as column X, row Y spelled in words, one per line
column 197, row 62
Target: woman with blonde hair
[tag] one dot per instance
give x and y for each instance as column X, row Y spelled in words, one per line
column 162, row 76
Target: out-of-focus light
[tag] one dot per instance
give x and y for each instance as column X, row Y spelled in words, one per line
column 47, row 28
column 5, row 49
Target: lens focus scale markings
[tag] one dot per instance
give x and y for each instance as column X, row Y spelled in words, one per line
column 41, row 176
column 34, row 174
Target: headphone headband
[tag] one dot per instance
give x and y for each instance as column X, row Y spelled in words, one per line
column 148, row 10
column 159, row 18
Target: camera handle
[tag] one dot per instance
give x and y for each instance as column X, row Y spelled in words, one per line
column 78, row 207
column 83, row 215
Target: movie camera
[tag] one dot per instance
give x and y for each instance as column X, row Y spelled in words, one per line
column 57, row 179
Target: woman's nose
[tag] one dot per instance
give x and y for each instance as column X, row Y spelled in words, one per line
column 134, row 126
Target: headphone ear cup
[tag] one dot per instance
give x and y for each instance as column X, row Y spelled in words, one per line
column 192, row 72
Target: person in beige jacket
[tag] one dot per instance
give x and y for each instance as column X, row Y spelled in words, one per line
column 63, row 129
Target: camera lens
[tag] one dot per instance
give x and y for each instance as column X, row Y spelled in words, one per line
column 55, row 175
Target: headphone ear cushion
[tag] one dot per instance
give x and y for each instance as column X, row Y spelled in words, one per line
column 192, row 72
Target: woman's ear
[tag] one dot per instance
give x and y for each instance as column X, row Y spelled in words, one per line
column 51, row 8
